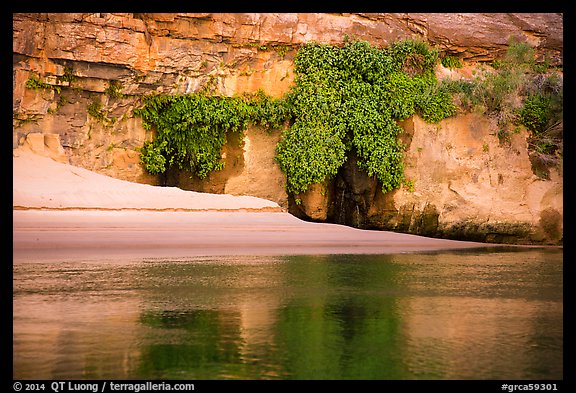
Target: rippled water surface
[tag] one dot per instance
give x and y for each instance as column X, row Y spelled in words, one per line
column 457, row 315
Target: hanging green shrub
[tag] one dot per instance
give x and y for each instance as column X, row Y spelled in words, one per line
column 192, row 129
column 350, row 97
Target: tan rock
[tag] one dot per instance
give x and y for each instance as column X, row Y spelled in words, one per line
column 315, row 202
column 260, row 175
column 460, row 167
column 47, row 145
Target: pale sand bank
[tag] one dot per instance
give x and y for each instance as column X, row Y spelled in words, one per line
column 42, row 183
column 99, row 234
column 61, row 211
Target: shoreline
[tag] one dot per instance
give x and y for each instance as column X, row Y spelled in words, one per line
column 128, row 234
column 153, row 209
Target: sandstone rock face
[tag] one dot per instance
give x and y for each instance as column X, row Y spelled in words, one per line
column 469, row 185
column 93, row 69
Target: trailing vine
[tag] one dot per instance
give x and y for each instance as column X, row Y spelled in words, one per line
column 191, row 129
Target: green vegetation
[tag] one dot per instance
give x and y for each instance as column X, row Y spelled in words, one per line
column 35, row 83
column 349, row 98
column 114, row 89
column 345, row 98
column 494, row 90
column 68, row 76
column 62, row 100
column 191, row 129
column 21, row 119
column 97, row 112
column 409, row 184
column 536, row 113
column 542, row 114
column 281, row 50
column 451, row 62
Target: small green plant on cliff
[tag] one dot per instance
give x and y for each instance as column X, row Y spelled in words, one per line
column 281, row 50
column 95, row 110
column 409, row 184
column 68, row 76
column 62, row 100
column 21, row 119
column 349, row 98
column 449, row 61
column 114, row 89
column 34, row 83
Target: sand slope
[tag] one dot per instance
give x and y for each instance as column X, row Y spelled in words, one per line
column 40, row 182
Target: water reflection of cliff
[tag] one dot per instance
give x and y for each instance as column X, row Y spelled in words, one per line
column 497, row 318
column 391, row 318
column 305, row 318
column 323, row 317
column 75, row 338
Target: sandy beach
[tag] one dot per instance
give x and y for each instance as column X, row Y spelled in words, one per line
column 62, row 211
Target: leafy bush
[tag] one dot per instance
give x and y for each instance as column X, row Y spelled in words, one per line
column 536, row 113
column 309, row 154
column 349, row 98
column 519, row 53
column 436, row 104
column 542, row 114
column 153, row 157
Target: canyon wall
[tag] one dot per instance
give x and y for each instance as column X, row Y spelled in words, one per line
column 91, row 70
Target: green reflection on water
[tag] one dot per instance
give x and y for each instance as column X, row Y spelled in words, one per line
column 324, row 325
column 461, row 315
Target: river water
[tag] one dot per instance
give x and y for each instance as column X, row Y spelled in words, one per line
column 492, row 314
